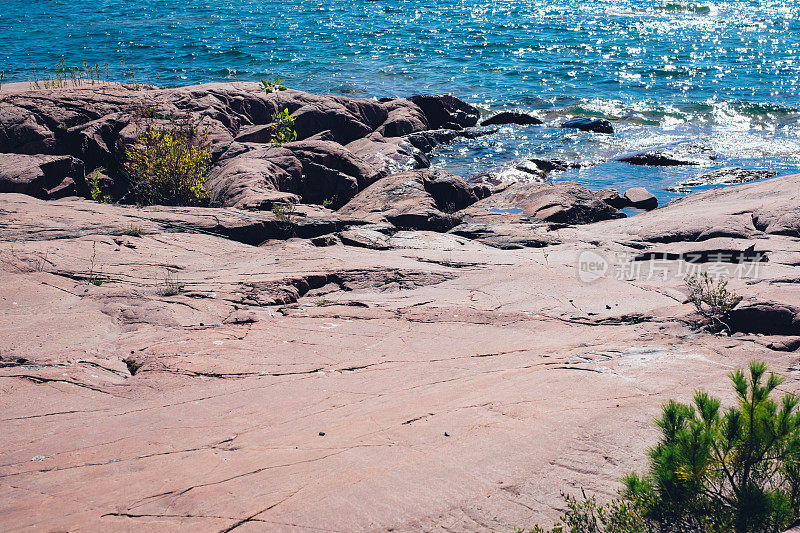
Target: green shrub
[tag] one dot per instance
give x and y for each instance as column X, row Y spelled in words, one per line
column 732, row 471
column 588, row 516
column 712, row 471
column 282, row 128
column 283, row 211
column 712, row 299
column 168, row 166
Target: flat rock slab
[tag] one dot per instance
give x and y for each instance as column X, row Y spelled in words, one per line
column 26, row 218
column 183, row 380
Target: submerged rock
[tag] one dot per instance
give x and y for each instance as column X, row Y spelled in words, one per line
column 512, row 117
column 726, row 176
column 670, row 155
column 597, row 125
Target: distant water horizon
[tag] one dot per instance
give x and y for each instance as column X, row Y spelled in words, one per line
column 723, row 74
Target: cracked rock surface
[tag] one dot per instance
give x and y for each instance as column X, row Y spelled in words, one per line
column 219, row 369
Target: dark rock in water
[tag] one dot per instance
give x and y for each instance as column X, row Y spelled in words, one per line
column 641, row 198
column 670, row 156
column 561, row 202
column 597, row 125
column 474, row 133
column 727, row 176
column 558, row 165
column 420, row 199
column 511, row 117
column 426, row 141
column 446, row 111
column 47, row 177
column 613, row 198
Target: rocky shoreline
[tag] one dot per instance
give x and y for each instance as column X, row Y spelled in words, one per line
column 405, row 351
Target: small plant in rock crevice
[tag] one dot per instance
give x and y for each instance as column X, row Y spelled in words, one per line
column 95, row 188
column 712, row 299
column 94, row 278
column 283, row 211
column 134, row 231
column 171, row 285
column 330, row 203
column 271, row 86
column 282, row 128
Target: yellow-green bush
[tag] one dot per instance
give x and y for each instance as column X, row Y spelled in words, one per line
column 168, row 166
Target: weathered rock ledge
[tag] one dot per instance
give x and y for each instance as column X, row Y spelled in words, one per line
column 421, row 357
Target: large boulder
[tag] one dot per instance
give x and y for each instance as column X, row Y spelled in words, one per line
column 256, row 179
column 421, row 199
column 563, row 202
column 312, row 171
column 46, row 177
column 330, row 172
column 446, row 111
column 403, row 118
column 388, row 155
column 613, row 198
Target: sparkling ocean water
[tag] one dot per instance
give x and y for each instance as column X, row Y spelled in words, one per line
column 723, row 74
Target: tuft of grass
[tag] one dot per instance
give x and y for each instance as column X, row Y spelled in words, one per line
column 323, row 302
column 330, row 203
column 171, row 285
column 134, row 231
column 94, row 278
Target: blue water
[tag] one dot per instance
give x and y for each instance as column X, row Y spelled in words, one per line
column 724, row 74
